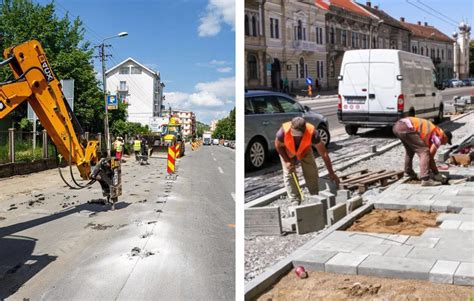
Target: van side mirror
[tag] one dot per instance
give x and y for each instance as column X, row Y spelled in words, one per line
column 340, row 77
column 399, row 77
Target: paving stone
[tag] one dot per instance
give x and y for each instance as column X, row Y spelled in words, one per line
column 309, row 218
column 447, row 233
column 336, row 213
column 371, row 249
column 450, row 224
column 354, row 203
column 369, row 238
column 446, row 253
column 330, row 196
column 440, row 205
column 455, row 217
column 340, row 235
column 336, row 245
column 443, row 271
column 398, row 251
column 314, row 260
column 343, row 195
column 396, row 239
column 469, row 211
column 425, row 242
column 466, row 192
column 442, row 155
column 467, row 226
column 464, row 275
column 396, row 267
column 344, row 263
column 317, row 199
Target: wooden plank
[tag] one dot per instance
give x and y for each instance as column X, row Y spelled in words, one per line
column 385, row 175
column 357, row 178
column 263, row 221
column 362, row 171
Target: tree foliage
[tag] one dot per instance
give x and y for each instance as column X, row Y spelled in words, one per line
column 471, row 58
column 225, row 127
column 201, row 128
column 68, row 53
column 122, row 128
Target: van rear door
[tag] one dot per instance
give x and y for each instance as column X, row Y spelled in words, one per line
column 353, row 91
column 384, row 91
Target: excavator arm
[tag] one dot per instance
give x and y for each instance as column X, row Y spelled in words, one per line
column 35, row 82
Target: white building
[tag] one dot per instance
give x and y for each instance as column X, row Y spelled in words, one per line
column 214, row 125
column 461, row 51
column 138, row 86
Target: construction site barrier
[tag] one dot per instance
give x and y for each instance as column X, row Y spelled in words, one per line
column 178, row 150
column 171, row 159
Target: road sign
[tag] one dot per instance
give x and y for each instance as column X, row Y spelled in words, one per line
column 309, row 81
column 112, row 102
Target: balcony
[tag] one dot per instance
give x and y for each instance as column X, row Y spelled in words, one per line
column 122, row 88
column 303, row 45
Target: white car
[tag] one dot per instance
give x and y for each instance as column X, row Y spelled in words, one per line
column 215, row 141
column 378, row 87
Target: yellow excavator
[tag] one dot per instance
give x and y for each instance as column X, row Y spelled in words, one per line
column 35, row 82
column 171, row 134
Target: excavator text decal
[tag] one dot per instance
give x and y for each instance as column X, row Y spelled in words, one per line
column 46, row 68
column 2, row 106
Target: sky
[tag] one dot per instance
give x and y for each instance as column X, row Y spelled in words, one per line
column 190, row 42
column 457, row 10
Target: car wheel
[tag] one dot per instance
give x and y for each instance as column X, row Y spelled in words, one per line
column 351, row 129
column 256, row 154
column 323, row 134
column 439, row 118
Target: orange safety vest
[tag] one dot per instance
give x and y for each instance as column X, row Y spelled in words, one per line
column 425, row 129
column 305, row 143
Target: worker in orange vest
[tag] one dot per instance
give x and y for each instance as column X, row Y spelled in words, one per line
column 422, row 137
column 294, row 141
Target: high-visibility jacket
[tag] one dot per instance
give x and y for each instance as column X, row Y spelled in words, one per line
column 426, row 129
column 137, row 145
column 305, row 143
column 118, row 146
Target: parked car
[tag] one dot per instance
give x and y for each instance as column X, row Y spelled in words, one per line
column 467, row 82
column 215, row 141
column 226, row 142
column 398, row 84
column 265, row 112
column 456, row 83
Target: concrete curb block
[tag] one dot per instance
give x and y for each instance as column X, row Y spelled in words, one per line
column 262, row 282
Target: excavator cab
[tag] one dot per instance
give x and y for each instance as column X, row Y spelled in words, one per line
column 35, row 82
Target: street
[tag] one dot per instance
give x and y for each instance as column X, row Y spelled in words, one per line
column 167, row 239
column 343, row 147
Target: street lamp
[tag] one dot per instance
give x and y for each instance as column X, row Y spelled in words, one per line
column 104, row 85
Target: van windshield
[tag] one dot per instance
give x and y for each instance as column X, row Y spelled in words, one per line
column 382, row 76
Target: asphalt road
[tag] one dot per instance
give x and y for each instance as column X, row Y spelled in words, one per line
column 328, row 106
column 183, row 229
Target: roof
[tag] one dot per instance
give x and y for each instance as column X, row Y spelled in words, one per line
column 348, row 5
column 387, row 19
column 135, row 62
column 253, row 93
column 427, row 32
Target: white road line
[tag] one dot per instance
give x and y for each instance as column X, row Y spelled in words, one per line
column 233, row 196
column 220, row 169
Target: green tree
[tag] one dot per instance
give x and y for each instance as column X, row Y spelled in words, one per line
column 201, row 128
column 226, row 127
column 471, row 58
column 68, row 53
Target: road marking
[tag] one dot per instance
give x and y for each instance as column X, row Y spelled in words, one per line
column 214, row 159
column 220, row 169
column 233, row 196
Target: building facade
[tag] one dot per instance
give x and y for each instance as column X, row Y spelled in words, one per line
column 139, row 87
column 213, row 125
column 461, row 51
column 428, row 41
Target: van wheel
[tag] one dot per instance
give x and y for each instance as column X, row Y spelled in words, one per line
column 256, row 154
column 411, row 112
column 352, row 129
column 439, row 118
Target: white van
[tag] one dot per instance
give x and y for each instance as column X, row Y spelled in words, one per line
column 378, row 87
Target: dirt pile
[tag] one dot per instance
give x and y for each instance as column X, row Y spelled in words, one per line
column 362, row 290
column 408, row 222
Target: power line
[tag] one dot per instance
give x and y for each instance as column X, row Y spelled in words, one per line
column 431, row 14
column 436, row 11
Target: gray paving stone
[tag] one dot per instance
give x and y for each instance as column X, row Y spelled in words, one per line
column 314, row 260
column 309, row 218
column 447, row 233
column 466, row 192
column 443, row 271
column 396, row 239
column 469, row 211
column 336, row 213
column 369, row 238
column 354, row 203
column 340, row 235
column 330, row 196
column 420, row 197
column 335, row 245
column 425, row 242
column 464, row 275
column 440, row 205
column 450, row 224
column 451, row 253
column 398, row 251
column 344, row 263
column 343, row 195
column 455, row 217
column 467, row 226
column 371, row 249
column 396, row 267
column 317, row 199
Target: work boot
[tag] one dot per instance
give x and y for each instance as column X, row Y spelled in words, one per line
column 440, row 178
column 411, row 175
column 430, row 182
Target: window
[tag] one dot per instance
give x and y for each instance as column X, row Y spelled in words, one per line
column 301, row 68
column 364, row 41
column 274, row 29
column 123, row 86
column 289, row 106
column 254, row 26
column 296, row 70
column 442, row 54
column 322, row 70
column 353, row 39
column 357, row 39
column 277, row 29
column 437, row 53
column 321, row 36
column 304, row 34
column 248, row 107
column 300, row 30
column 421, row 48
column 317, row 69
column 247, row 26
column 343, row 37
column 136, row 70
column 252, row 67
column 449, row 54
column 332, row 68
column 266, row 105
column 331, row 34
column 124, row 70
column 271, row 28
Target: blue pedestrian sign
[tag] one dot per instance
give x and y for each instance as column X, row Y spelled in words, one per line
column 309, row 81
column 112, row 102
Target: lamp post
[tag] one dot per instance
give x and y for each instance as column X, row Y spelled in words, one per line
column 104, row 85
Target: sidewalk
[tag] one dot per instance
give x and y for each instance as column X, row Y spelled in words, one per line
column 303, row 95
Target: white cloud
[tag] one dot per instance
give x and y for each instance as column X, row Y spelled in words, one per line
column 217, row 12
column 211, row 100
column 224, row 69
column 217, row 62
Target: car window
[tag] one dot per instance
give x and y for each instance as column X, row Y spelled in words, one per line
column 265, row 105
column 248, row 106
column 289, row 106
